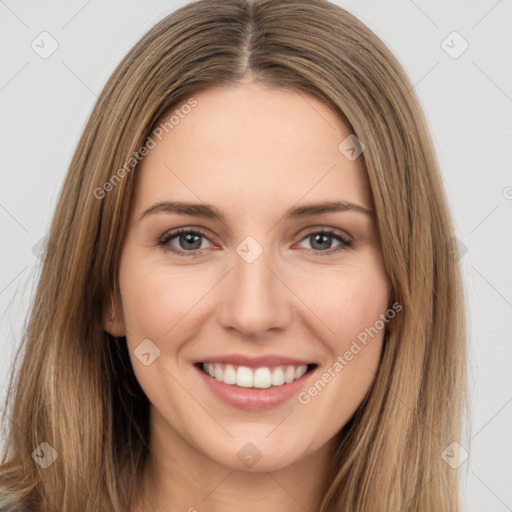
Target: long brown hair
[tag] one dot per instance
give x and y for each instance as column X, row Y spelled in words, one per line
column 75, row 388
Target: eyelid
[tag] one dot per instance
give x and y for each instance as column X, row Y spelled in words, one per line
column 173, row 233
column 325, row 229
column 344, row 239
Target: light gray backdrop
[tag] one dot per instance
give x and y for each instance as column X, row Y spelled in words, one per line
column 47, row 92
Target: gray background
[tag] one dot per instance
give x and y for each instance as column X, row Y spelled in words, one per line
column 468, row 102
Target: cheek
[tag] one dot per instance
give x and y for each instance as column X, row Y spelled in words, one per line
column 157, row 305
column 351, row 306
column 154, row 299
column 347, row 303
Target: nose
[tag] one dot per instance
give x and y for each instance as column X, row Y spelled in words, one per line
column 255, row 300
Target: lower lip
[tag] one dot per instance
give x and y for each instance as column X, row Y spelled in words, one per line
column 254, row 399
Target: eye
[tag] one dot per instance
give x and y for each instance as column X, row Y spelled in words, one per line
column 189, row 241
column 322, row 240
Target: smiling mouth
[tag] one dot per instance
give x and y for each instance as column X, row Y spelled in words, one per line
column 261, row 378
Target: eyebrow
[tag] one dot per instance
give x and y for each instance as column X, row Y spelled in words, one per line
column 210, row 212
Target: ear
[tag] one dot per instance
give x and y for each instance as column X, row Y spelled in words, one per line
column 113, row 319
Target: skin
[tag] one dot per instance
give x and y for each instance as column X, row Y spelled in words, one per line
column 252, row 151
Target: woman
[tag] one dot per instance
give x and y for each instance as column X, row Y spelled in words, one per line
column 247, row 369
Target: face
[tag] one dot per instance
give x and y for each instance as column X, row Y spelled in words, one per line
column 258, row 287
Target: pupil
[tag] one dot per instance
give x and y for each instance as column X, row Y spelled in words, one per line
column 189, row 238
column 320, row 237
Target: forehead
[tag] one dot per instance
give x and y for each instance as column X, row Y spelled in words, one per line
column 251, row 145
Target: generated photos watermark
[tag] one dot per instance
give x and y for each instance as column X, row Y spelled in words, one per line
column 165, row 127
column 304, row 397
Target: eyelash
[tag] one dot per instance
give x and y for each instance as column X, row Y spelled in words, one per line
column 165, row 239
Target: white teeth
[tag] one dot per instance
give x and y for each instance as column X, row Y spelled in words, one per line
column 300, row 371
column 278, row 377
column 217, row 372
column 229, row 376
column 262, row 378
column 289, row 374
column 246, row 377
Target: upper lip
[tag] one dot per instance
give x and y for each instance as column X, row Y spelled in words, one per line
column 255, row 361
